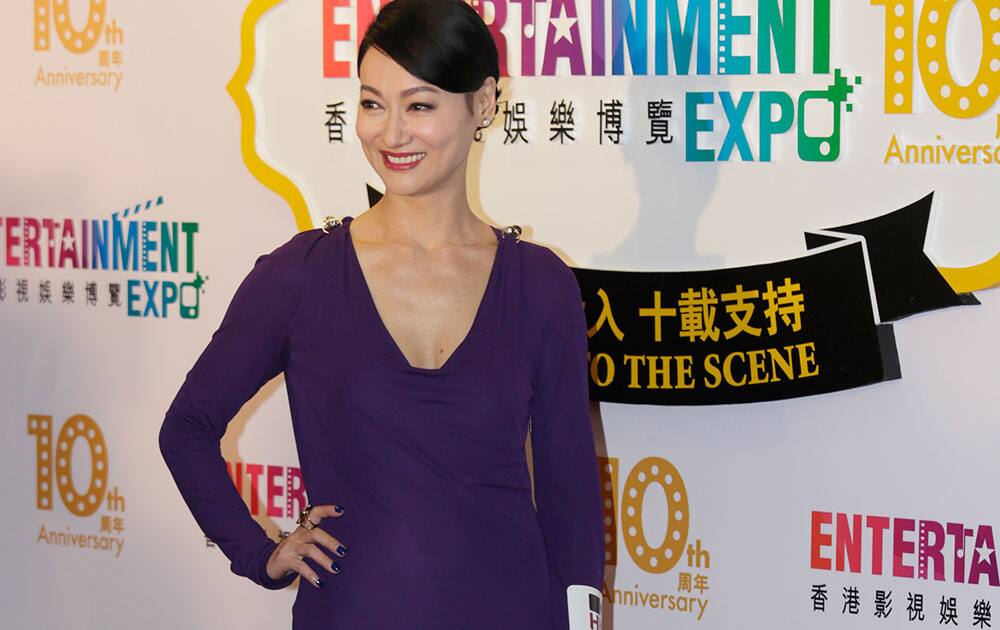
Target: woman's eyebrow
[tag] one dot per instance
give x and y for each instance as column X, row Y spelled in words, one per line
column 404, row 93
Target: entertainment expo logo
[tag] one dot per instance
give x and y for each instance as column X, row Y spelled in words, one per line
column 130, row 241
column 717, row 127
column 915, row 54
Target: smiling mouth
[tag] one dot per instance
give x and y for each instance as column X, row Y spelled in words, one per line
column 402, row 162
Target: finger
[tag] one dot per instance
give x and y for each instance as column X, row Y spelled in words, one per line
column 316, row 513
column 316, row 554
column 320, row 537
column 324, row 511
column 307, row 573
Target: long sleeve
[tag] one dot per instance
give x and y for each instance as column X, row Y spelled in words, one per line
column 248, row 349
column 567, row 490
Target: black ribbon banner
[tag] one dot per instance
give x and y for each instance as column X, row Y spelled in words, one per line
column 792, row 328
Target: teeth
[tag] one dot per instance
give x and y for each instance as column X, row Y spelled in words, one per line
column 405, row 160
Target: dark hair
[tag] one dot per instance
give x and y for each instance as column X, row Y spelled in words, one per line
column 442, row 42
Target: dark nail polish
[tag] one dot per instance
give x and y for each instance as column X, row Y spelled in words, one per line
column 319, row 582
column 335, row 567
column 338, row 509
column 342, row 551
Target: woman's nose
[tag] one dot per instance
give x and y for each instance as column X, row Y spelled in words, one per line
column 394, row 134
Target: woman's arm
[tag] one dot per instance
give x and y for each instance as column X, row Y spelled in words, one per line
column 248, row 349
column 567, row 490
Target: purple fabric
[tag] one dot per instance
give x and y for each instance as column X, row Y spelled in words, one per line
column 428, row 464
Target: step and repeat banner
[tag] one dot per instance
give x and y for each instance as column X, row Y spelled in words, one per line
column 782, row 213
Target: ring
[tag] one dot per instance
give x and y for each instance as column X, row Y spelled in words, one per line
column 304, row 518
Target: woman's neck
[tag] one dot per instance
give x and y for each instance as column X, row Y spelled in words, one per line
column 431, row 222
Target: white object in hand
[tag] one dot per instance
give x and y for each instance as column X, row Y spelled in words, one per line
column 584, row 607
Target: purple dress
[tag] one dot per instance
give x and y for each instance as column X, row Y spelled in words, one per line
column 429, row 464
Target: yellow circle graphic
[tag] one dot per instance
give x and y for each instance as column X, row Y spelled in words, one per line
column 655, row 470
column 83, row 427
column 77, row 41
column 959, row 101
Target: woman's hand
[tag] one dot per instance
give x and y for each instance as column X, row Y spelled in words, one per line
column 306, row 542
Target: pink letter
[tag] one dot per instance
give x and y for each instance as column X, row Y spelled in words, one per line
column 901, row 547
column 849, row 542
column 12, row 241
column 878, row 525
column 984, row 561
column 254, row 471
column 274, row 489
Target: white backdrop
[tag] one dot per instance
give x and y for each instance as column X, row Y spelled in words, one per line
column 923, row 447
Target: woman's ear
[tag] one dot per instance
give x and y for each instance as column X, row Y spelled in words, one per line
column 486, row 99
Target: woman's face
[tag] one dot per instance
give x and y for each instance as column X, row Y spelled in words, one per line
column 415, row 135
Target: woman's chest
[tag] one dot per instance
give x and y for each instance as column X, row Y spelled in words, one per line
column 426, row 305
column 341, row 365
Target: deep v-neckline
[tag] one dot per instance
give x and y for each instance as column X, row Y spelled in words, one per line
column 384, row 329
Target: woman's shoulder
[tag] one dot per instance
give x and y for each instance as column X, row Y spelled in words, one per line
column 545, row 272
column 304, row 246
column 297, row 261
column 549, row 285
column 300, row 245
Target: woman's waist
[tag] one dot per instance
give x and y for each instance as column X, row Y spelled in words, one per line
column 403, row 510
column 415, row 482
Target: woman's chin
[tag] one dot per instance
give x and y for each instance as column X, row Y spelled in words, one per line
column 400, row 185
column 400, row 189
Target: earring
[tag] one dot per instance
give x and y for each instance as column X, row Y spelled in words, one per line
column 486, row 122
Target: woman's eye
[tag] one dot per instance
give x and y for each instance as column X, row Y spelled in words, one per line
column 368, row 104
column 422, row 107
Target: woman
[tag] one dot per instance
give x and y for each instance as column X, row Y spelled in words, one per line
column 416, row 342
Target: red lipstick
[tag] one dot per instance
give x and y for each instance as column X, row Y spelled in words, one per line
column 402, row 161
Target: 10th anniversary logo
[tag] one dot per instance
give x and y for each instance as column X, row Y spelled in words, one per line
column 91, row 56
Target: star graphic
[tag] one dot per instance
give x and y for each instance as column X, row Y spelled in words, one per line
column 562, row 24
column 68, row 242
column 983, row 551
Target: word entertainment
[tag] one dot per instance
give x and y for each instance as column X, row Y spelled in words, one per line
column 529, row 31
column 105, row 244
column 922, row 549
